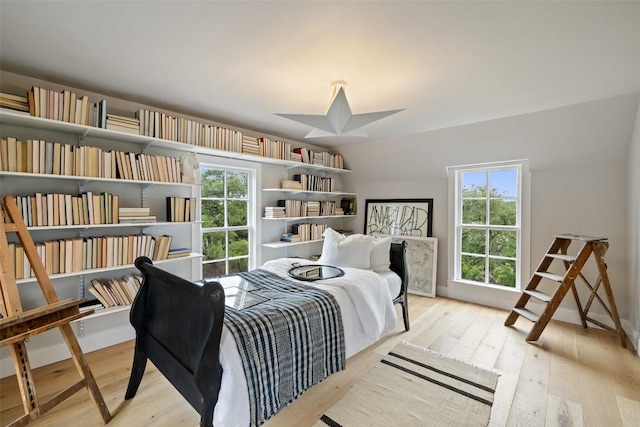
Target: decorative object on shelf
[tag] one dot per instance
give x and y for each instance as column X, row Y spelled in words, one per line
column 338, row 120
column 405, row 217
column 190, row 166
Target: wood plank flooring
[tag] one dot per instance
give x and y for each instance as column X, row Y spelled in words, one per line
column 570, row 377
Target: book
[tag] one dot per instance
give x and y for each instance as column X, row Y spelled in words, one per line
column 136, row 219
column 126, row 212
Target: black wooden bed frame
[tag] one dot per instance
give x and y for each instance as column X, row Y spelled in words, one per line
column 178, row 327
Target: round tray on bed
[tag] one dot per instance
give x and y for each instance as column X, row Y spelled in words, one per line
column 315, row 272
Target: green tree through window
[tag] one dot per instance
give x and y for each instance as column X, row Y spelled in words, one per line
column 488, row 226
column 225, row 221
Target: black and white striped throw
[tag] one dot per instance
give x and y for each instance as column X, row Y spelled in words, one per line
column 288, row 343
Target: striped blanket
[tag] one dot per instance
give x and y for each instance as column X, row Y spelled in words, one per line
column 288, row 343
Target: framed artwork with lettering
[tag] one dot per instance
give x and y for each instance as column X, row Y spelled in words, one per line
column 399, row 217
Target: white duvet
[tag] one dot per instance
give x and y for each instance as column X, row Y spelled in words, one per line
column 367, row 315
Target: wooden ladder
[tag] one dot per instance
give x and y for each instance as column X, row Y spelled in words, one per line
column 573, row 264
column 17, row 325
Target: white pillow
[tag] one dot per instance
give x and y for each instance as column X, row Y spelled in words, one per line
column 380, row 254
column 351, row 251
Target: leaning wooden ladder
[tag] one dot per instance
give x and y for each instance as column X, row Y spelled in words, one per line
column 573, row 264
column 17, row 325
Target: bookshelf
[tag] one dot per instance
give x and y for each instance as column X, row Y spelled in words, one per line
column 150, row 192
column 304, row 195
column 109, row 326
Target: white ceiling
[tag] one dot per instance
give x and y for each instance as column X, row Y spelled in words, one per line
column 445, row 63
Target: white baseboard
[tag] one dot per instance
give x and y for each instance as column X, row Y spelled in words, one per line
column 54, row 353
column 506, row 299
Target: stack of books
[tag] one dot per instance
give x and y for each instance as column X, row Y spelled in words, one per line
column 88, row 305
column 250, row 145
column 274, row 212
column 123, row 124
column 14, row 102
column 178, row 252
column 313, row 208
column 135, row 215
column 290, row 237
column 290, row 185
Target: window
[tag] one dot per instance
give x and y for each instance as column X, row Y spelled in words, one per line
column 487, row 227
column 226, row 223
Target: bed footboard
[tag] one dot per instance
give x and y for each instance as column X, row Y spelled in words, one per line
column 178, row 326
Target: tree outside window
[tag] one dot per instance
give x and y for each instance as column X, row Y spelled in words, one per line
column 225, row 221
column 488, row 226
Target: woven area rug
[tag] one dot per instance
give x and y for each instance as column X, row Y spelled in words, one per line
column 413, row 386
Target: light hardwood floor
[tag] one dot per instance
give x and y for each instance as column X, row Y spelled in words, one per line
column 570, row 377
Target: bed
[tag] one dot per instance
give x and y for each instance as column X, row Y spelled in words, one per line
column 206, row 366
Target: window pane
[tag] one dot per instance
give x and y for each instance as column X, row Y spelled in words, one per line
column 212, row 183
column 502, row 272
column 502, row 211
column 472, row 268
column 237, row 213
column 474, row 211
column 238, row 265
column 474, row 184
column 213, row 213
column 212, row 269
column 213, row 245
column 502, row 243
column 473, row 241
column 237, row 185
column 238, row 243
column 504, row 183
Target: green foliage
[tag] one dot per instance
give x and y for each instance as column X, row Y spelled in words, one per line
column 501, row 243
column 215, row 243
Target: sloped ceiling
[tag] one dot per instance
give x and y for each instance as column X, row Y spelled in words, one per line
column 446, row 63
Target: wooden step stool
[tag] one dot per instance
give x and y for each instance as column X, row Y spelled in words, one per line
column 17, row 325
column 573, row 264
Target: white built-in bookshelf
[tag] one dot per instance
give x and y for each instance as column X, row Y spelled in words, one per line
column 151, row 193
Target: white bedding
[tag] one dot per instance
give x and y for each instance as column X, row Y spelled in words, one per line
column 365, row 302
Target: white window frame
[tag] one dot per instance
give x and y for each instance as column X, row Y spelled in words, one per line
column 522, row 227
column 251, row 218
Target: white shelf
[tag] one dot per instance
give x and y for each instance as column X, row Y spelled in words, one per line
column 281, row 244
column 88, row 226
column 324, row 193
column 20, row 119
column 296, row 218
column 99, row 312
column 86, row 179
column 106, row 269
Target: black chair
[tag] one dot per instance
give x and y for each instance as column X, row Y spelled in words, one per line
column 400, row 267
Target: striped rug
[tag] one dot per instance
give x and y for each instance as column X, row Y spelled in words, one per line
column 413, row 386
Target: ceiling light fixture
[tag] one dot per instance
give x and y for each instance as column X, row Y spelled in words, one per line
column 338, row 120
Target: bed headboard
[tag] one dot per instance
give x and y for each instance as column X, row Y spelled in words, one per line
column 178, row 326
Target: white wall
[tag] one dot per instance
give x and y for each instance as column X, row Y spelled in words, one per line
column 634, row 231
column 578, row 162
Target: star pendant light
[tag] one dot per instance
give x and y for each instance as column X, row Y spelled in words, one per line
column 338, row 119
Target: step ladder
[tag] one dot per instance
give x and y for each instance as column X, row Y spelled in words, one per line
column 573, row 265
column 18, row 325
